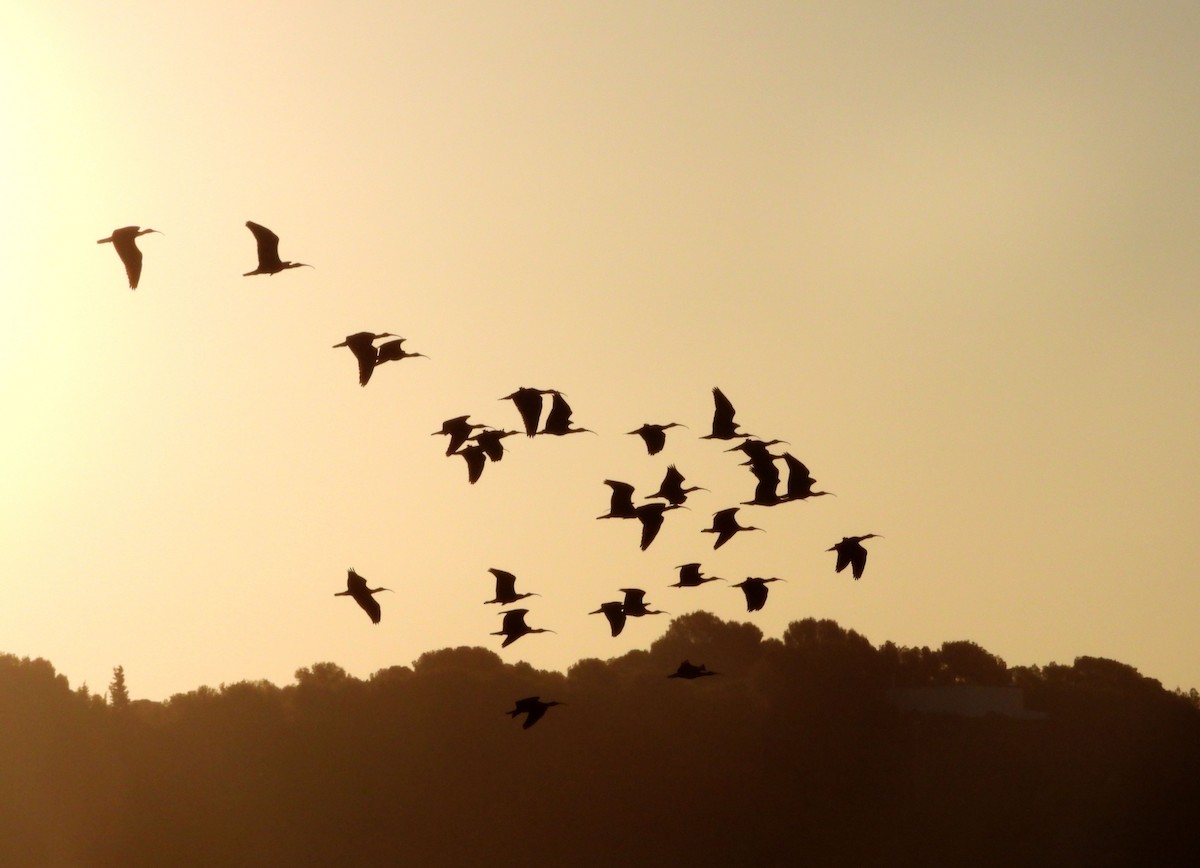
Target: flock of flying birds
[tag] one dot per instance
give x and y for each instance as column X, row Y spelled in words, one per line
column 478, row 444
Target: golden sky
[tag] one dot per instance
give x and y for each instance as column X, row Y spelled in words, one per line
column 946, row 250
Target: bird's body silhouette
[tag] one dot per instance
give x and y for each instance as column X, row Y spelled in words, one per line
column 489, row 441
column 755, row 590
column 528, row 402
column 268, row 252
column 725, row 526
column 533, row 708
column 506, row 588
column 851, row 553
column 655, row 436
column 799, row 482
column 458, row 430
column 756, row 450
column 690, row 670
column 558, row 420
column 476, row 458
column 723, row 426
column 634, row 605
column 615, row 613
column 356, row 587
column 672, row 489
column 393, row 351
column 651, row 517
column 766, row 493
column 514, row 627
column 690, row 577
column 621, row 501
column 124, row 240
column 362, row 344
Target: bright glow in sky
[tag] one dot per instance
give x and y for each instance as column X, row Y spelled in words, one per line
column 946, row 250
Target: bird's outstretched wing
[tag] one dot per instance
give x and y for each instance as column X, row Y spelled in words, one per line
column 268, row 245
column 370, row 605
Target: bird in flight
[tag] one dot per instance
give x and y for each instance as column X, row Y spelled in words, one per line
column 458, row 430
column 533, row 708
column 799, row 482
column 690, row 577
column 635, row 606
column 672, row 489
column 393, row 351
column 125, row 242
column 506, row 588
column 476, row 458
column 654, row 436
column 723, row 426
column 558, row 420
column 851, row 553
column 621, row 502
column 615, row 613
column 725, row 526
column 762, row 465
column 755, row 590
column 362, row 344
column 356, row 587
column 514, row 627
column 528, row 402
column 690, row 670
column 651, row 517
column 268, row 252
column 489, row 441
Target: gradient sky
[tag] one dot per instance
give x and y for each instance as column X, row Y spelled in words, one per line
column 947, row 250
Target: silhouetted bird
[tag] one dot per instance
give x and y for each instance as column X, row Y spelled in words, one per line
column 672, row 487
column 635, row 604
column 476, row 458
column 621, row 501
column 489, row 441
column 762, row 465
column 850, row 553
column 362, row 344
column 124, row 240
column 800, row 482
column 655, row 436
column 690, row 670
column 514, row 627
column 268, row 252
column 506, row 588
column 533, row 708
column 528, row 402
column 558, row 420
column 615, row 613
column 651, row 517
column 755, row 590
column 756, row 450
column 393, row 351
column 689, row 577
column 723, row 426
column 458, row 430
column 725, row 525
column 356, row 587
column 765, row 493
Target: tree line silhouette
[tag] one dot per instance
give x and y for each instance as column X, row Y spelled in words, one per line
column 792, row 754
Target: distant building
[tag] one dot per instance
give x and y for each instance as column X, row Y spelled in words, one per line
column 963, row 700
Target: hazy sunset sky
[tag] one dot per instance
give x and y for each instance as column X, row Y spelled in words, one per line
column 947, row 250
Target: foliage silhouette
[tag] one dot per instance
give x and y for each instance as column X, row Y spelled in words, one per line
column 793, row 756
